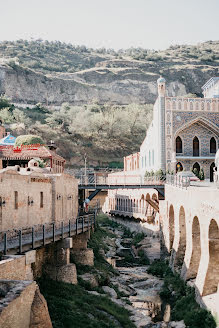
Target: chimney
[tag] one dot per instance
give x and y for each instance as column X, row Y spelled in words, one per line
column 52, row 146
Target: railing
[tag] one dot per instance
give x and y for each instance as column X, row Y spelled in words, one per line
column 40, row 235
column 178, row 181
column 121, row 179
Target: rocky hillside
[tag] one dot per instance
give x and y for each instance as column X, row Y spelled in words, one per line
column 53, row 72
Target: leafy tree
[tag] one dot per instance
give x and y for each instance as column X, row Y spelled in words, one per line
column 28, row 139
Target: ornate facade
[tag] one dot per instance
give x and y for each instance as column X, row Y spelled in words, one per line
column 184, row 133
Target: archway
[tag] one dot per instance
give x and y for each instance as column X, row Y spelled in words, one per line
column 179, row 167
column 212, row 172
column 171, row 226
column 196, row 168
column 178, row 145
column 196, row 250
column 195, row 147
column 182, row 239
column 213, row 146
column 212, row 277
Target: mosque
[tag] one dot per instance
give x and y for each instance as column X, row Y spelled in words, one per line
column 183, row 134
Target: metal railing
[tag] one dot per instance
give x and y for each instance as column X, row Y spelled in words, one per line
column 121, row 179
column 178, row 181
column 16, row 240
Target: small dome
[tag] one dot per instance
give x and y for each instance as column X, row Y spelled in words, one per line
column 161, row 80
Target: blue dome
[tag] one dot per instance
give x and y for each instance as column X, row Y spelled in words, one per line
column 161, row 80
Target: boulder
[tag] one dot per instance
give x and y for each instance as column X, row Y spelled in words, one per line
column 110, row 291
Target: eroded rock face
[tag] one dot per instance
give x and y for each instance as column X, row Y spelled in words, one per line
column 39, row 316
column 135, row 83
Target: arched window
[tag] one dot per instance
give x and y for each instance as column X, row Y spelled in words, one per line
column 196, row 168
column 213, row 146
column 178, row 145
column 179, row 167
column 195, row 147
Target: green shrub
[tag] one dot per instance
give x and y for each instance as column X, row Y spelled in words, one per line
column 201, row 174
column 28, row 139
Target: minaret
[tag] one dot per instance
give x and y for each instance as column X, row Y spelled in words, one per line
column 161, row 119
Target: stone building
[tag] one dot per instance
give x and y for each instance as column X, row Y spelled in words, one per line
column 33, row 195
column 184, row 132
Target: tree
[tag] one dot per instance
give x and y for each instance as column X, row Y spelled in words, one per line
column 28, row 139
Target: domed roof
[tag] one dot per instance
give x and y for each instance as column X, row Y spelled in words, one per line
column 161, row 80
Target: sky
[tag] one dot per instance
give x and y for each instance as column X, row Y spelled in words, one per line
column 151, row 24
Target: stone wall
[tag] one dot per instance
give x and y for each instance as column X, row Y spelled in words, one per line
column 60, row 199
column 15, row 309
column 190, row 228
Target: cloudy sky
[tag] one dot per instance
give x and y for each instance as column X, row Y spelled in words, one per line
column 153, row 24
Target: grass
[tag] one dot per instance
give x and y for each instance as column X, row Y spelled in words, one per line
column 70, row 306
column 181, row 298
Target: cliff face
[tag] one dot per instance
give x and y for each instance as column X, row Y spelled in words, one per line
column 114, row 82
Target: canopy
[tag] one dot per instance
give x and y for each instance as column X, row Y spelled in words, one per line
column 8, row 141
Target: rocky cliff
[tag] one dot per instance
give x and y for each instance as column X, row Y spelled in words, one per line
column 108, row 79
column 103, row 84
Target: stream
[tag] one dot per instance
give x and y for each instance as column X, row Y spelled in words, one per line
column 140, row 288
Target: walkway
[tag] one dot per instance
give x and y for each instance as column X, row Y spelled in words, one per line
column 18, row 241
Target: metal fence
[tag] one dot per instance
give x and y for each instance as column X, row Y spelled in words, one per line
column 121, row 179
column 40, row 235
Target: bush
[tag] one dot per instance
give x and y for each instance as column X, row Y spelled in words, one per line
column 181, row 298
column 28, row 139
column 201, row 174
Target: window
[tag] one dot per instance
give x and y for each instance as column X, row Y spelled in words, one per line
column 41, row 199
column 145, row 161
column 178, row 145
column 149, row 158
column 152, row 157
column 195, row 147
column 16, row 200
column 213, row 146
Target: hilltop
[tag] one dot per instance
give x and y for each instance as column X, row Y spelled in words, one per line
column 91, row 101
column 53, row 72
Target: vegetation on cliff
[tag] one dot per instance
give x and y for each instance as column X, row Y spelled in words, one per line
column 181, row 298
column 50, row 57
column 105, row 133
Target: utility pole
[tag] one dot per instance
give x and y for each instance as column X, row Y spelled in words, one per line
column 85, row 165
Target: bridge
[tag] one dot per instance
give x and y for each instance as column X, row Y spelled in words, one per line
column 121, row 182
column 19, row 241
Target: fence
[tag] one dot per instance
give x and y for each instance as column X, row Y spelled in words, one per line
column 178, row 181
column 40, row 235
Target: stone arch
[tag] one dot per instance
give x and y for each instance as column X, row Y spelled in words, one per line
column 154, row 197
column 212, row 277
column 179, row 167
column 196, row 166
column 148, row 197
column 171, row 227
column 182, row 239
column 196, row 250
column 195, row 146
